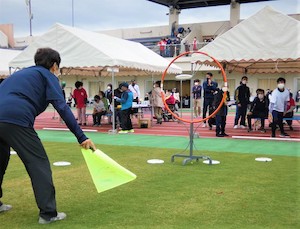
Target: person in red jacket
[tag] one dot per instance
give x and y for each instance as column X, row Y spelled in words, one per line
column 80, row 98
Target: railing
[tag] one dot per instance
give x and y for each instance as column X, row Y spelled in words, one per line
column 173, row 50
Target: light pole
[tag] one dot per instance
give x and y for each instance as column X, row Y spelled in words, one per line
column 72, row 13
column 28, row 3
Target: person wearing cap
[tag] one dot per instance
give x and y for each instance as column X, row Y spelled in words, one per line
column 126, row 105
column 25, row 95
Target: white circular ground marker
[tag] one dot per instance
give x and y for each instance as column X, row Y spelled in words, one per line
column 62, row 163
column 263, row 159
column 13, row 152
column 155, row 161
column 213, row 162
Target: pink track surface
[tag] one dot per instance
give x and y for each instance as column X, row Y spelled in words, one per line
column 49, row 119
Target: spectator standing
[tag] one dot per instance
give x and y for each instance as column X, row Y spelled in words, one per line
column 168, row 47
column 196, row 90
column 297, row 100
column 195, row 44
column 209, row 88
column 126, row 105
column 162, row 47
column 135, row 89
column 222, row 113
column 117, row 93
column 157, row 101
column 25, row 95
column 242, row 98
column 80, row 98
column 278, row 105
column 290, row 111
column 63, row 85
column 108, row 92
column 259, row 109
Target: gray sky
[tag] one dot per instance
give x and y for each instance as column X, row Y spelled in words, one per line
column 113, row 14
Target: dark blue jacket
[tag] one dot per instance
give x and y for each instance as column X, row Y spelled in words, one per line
column 28, row 92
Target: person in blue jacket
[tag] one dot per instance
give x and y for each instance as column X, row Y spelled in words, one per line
column 25, row 95
column 126, row 106
column 209, row 88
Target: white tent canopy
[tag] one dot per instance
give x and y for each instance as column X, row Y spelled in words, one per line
column 85, row 50
column 6, row 55
column 267, row 42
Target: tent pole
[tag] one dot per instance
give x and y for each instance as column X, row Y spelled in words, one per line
column 113, row 101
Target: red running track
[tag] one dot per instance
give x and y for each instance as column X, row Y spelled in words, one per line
column 51, row 120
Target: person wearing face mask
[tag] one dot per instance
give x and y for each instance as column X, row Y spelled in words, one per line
column 242, row 99
column 278, row 106
column 258, row 109
column 134, row 88
column 209, row 88
column 108, row 92
column 197, row 89
column 80, row 98
column 25, row 95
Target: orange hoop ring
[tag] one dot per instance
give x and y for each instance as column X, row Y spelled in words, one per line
column 163, row 95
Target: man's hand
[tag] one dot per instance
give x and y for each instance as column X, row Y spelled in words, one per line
column 87, row 144
column 249, row 113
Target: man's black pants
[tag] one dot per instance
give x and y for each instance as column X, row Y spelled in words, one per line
column 125, row 119
column 27, row 144
column 207, row 103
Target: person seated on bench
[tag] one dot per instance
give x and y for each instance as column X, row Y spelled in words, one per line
column 258, row 109
column 99, row 110
column 291, row 105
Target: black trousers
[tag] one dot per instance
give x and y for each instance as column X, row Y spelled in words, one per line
column 262, row 118
column 241, row 113
column 277, row 120
column 97, row 117
column 27, row 144
column 207, row 103
column 220, row 124
column 125, row 119
column 289, row 115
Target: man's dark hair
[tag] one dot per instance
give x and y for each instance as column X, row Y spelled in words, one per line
column 196, row 80
column 260, row 91
column 158, row 83
column 46, row 57
column 78, row 84
column 209, row 73
column 245, row 77
column 96, row 97
column 280, row 79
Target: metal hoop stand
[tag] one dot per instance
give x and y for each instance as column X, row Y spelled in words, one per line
column 191, row 157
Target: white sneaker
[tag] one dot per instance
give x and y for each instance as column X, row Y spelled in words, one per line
column 235, row 127
column 243, row 127
column 60, row 216
column 5, row 207
column 204, row 125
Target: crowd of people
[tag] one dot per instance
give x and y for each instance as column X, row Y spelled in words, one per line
column 270, row 105
column 274, row 105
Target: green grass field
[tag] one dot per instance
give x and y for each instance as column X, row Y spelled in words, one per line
column 238, row 193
